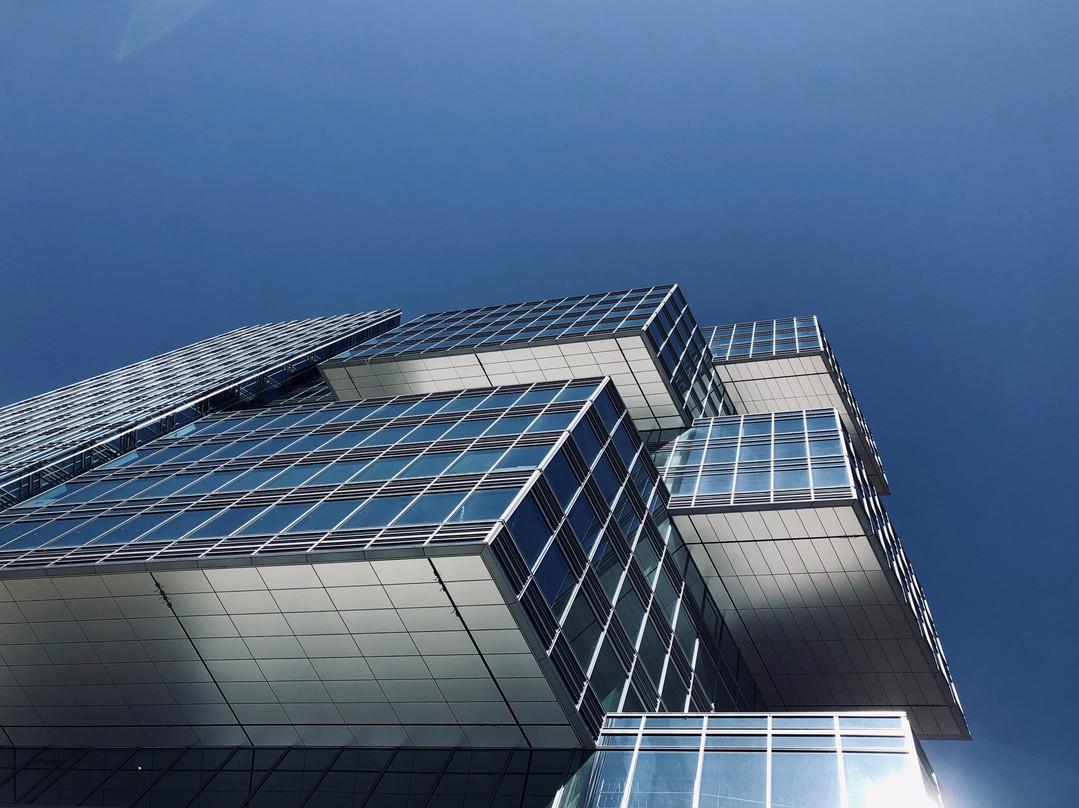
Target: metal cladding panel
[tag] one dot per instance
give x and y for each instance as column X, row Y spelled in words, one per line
column 422, row 651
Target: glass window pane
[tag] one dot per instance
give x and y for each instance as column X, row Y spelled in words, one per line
column 130, row 529
column 529, row 529
column 325, row 515
column 429, row 465
column 274, row 519
column 377, row 512
column 805, row 779
column 484, row 505
column 430, row 509
column 876, row 780
column 514, row 425
column 828, row 477
column 552, row 422
column 178, row 526
column 337, row 473
column 522, row 457
column 384, row 468
column 663, row 779
column 475, row 461
column 562, row 480
column 733, row 779
column 225, row 523
column 555, row 580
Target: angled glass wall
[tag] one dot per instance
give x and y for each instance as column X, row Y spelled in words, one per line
column 786, row 526
column 808, row 760
column 645, row 339
column 49, row 438
column 787, row 364
column 485, row 568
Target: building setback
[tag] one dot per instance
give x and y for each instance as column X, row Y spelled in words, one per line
column 557, row 553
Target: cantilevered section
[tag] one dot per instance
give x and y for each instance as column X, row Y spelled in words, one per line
column 49, row 438
column 435, row 570
column 795, row 545
column 850, row 759
column 645, row 339
column 777, row 365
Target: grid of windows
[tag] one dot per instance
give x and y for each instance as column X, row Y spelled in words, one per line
column 49, row 438
column 769, row 458
column 789, row 337
column 844, row 760
column 538, row 321
column 676, row 346
column 608, row 582
column 683, row 351
column 286, row 478
column 764, row 338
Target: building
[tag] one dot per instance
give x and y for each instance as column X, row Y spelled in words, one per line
column 549, row 553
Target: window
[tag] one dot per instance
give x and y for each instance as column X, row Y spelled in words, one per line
column 585, row 438
column 562, row 480
column 337, row 473
column 325, row 516
column 430, row 465
column 308, row 443
column 552, row 422
column 711, row 484
column 555, row 580
column 132, row 528
column 430, row 509
column 274, row 519
column 475, row 461
column 348, row 440
column 829, row 477
column 226, row 522
column 733, row 779
column 384, row 468
column 753, row 481
column 427, row 432
column 179, row 526
column 484, row 505
column 377, row 512
column 510, row 425
column 529, row 529
column 522, row 457
column 294, row 476
column 805, row 779
column 663, row 779
column 389, row 435
column 608, row 678
column 251, row 479
column 468, row 429
column 586, row 525
column 211, row 482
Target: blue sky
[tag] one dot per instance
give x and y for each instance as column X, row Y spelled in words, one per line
column 908, row 171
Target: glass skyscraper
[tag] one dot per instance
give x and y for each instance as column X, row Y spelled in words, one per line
column 556, row 553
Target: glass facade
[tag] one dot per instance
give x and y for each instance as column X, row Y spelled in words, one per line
column 759, row 459
column 646, row 339
column 567, row 553
column 803, row 760
column 788, row 364
column 780, row 470
column 51, row 437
